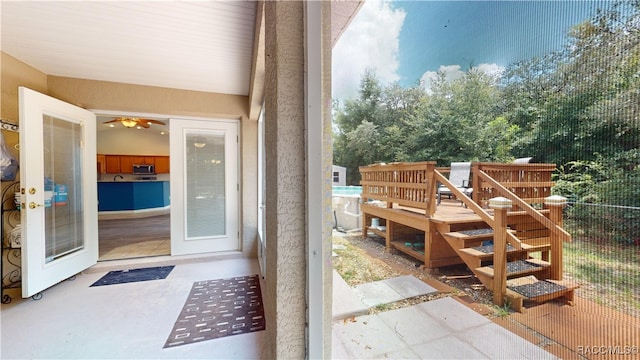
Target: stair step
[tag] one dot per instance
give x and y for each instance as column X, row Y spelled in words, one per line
column 541, row 241
column 517, row 268
column 536, row 248
column 533, row 289
column 475, row 234
column 486, row 251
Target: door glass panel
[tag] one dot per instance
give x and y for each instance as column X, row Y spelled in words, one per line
column 62, row 187
column 205, row 184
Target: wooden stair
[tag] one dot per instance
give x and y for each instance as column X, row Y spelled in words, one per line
column 515, row 269
column 514, row 200
column 527, row 277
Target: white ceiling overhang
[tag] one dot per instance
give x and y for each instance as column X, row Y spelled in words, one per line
column 194, row 45
column 210, row 46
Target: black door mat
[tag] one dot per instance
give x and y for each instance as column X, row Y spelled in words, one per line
column 218, row 308
column 134, row 275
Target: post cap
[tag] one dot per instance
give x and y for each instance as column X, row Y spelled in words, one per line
column 555, row 200
column 500, row 203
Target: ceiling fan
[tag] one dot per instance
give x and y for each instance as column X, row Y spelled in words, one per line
column 130, row 122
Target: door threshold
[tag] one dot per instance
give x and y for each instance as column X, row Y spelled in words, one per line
column 135, row 257
column 162, row 260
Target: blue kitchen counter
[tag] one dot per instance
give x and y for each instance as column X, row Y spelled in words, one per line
column 132, row 195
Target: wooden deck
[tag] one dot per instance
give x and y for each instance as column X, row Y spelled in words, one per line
column 511, row 206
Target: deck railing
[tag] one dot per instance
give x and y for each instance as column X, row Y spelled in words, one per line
column 405, row 184
column 526, row 185
column 415, row 184
column 529, row 182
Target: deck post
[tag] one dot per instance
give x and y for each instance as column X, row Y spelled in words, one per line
column 390, row 233
column 500, row 206
column 556, row 203
column 365, row 225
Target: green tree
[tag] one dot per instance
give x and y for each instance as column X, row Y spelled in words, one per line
column 583, row 101
column 456, row 121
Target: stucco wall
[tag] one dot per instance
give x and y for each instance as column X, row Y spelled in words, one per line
column 284, row 300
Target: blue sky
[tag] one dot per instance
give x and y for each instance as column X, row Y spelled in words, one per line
column 408, row 41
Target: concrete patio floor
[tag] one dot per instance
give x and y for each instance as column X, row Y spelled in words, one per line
column 132, row 321
column 439, row 329
column 122, row 321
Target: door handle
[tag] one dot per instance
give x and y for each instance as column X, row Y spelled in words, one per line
column 33, row 205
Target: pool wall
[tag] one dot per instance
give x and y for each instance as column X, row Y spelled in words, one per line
column 346, row 207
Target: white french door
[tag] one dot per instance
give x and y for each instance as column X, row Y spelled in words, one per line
column 204, row 186
column 58, row 180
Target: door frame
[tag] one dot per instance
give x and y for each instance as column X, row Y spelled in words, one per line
column 167, row 117
column 179, row 244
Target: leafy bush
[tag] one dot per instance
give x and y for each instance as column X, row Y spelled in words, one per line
column 604, row 197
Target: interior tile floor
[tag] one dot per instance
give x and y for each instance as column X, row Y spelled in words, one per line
column 134, row 237
column 123, row 321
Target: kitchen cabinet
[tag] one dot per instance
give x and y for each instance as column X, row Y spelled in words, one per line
column 123, row 164
column 132, row 195
column 162, row 164
column 144, row 160
column 112, row 164
column 102, row 164
column 126, row 164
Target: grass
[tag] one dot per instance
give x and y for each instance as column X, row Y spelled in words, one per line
column 502, row 311
column 608, row 272
column 356, row 267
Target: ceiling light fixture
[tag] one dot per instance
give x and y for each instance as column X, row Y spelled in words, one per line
column 199, row 144
column 130, row 122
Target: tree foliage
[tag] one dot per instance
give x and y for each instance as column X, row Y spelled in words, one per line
column 578, row 108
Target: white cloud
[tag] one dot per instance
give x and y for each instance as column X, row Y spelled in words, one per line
column 370, row 42
column 451, row 73
column 493, row 70
column 454, row 72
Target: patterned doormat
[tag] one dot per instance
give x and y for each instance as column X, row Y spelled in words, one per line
column 218, row 308
column 134, row 275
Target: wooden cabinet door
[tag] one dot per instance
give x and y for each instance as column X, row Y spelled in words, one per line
column 149, row 160
column 101, row 164
column 162, row 164
column 126, row 164
column 138, row 160
column 112, row 164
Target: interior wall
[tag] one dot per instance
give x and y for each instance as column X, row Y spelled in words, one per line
column 14, row 73
column 132, row 141
column 105, row 95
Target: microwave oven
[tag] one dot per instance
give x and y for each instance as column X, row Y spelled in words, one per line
column 144, row 169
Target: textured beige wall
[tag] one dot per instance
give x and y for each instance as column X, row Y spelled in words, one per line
column 105, row 95
column 15, row 73
column 284, row 298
